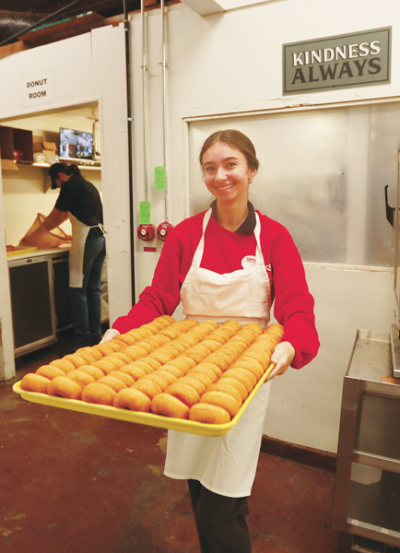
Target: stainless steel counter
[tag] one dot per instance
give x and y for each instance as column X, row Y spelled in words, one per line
column 367, row 488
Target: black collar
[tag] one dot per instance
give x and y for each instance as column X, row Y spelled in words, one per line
column 248, row 226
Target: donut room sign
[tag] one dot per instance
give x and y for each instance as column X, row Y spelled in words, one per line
column 359, row 59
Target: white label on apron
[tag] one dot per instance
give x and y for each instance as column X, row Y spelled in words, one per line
column 249, row 261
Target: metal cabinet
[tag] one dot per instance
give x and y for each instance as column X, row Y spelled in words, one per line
column 32, row 303
column 367, row 487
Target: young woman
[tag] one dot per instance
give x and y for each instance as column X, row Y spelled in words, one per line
column 79, row 200
column 229, row 262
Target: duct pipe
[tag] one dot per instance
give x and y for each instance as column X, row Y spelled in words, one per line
column 38, row 23
column 144, row 95
column 129, row 122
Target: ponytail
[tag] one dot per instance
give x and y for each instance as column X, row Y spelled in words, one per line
column 73, row 170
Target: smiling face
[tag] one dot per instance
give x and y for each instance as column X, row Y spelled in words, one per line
column 226, row 173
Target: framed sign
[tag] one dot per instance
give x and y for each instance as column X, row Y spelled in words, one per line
column 353, row 60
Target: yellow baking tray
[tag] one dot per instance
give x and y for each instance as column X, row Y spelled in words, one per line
column 149, row 419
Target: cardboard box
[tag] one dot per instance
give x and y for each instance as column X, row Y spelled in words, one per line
column 48, row 149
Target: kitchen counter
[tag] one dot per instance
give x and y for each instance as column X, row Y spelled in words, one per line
column 34, row 252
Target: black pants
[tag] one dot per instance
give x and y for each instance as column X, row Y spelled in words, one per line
column 220, row 521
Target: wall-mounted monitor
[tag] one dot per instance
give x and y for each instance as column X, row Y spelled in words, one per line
column 75, row 144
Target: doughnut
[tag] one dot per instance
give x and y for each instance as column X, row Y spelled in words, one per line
column 234, row 347
column 179, row 364
column 241, row 388
column 255, row 328
column 98, row 393
column 144, row 345
column 223, row 386
column 114, row 383
column 126, row 378
column 221, row 399
column 167, row 319
column 190, row 339
column 187, row 360
column 240, row 338
column 228, row 353
column 115, row 362
column 197, row 353
column 93, row 351
column 162, row 358
column 262, row 357
column 237, row 326
column 209, row 324
column 88, row 357
column 135, row 352
column 169, row 377
column 161, row 383
column 209, row 414
column 170, row 369
column 159, row 323
column 133, row 372
column 212, row 345
column 195, row 383
column 138, row 334
column 127, row 339
column 201, row 368
column 249, row 375
column 211, row 366
column 247, row 364
column 152, row 327
column 165, row 404
column 184, row 392
column 104, row 366
column 82, row 378
column 158, row 341
column 92, row 371
column 33, row 382
column 276, row 328
column 170, row 332
column 63, row 364
column 76, row 360
column 147, row 387
column 216, row 338
column 152, row 363
column 141, row 365
column 176, row 347
column 132, row 399
column 115, row 345
column 218, row 359
column 241, row 376
column 181, row 343
column 104, row 349
column 49, row 371
column 199, row 375
column 122, row 356
column 64, row 387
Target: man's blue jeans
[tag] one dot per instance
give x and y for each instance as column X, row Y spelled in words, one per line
column 86, row 301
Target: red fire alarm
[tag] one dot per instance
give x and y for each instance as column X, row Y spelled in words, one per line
column 146, row 232
column 163, row 230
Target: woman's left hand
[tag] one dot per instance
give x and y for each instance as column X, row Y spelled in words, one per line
column 283, row 355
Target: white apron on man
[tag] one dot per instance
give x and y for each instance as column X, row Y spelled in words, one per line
column 225, row 465
column 80, row 233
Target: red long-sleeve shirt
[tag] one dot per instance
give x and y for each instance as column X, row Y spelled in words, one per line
column 223, row 253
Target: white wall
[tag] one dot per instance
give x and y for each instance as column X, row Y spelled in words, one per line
column 231, row 64
column 93, row 71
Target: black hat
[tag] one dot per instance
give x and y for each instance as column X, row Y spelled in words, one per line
column 53, row 173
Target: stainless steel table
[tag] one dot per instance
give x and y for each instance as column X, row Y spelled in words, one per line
column 367, row 488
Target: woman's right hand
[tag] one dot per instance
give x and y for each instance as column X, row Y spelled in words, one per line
column 109, row 335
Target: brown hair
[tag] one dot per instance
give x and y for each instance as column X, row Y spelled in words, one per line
column 236, row 140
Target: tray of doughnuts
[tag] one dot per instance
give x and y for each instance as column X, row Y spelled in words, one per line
column 178, row 375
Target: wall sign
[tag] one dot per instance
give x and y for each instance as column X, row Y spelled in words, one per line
column 357, row 59
column 37, row 90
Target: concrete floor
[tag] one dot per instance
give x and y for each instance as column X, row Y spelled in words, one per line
column 82, row 483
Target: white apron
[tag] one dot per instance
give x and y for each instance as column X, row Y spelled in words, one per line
column 80, row 233
column 225, row 465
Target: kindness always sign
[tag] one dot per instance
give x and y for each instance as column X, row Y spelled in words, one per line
column 359, row 59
